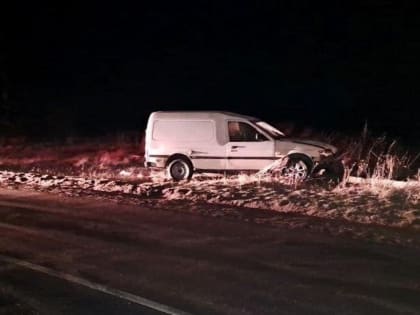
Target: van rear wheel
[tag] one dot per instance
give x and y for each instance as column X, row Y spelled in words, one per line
column 179, row 169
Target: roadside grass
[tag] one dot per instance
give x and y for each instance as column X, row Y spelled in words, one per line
column 113, row 165
column 110, row 156
column 120, row 156
column 376, row 157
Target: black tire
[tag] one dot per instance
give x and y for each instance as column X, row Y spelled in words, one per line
column 296, row 167
column 180, row 168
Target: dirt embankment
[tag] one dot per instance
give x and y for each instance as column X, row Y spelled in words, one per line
column 366, row 203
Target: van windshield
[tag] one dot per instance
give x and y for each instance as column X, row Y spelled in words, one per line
column 272, row 131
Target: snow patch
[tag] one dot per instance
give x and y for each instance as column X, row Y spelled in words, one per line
column 385, row 203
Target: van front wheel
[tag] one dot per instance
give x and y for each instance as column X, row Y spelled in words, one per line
column 296, row 167
column 179, row 169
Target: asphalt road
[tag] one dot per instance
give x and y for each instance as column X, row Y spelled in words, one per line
column 197, row 264
column 43, row 294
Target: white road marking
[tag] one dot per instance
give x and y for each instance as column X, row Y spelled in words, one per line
column 95, row 286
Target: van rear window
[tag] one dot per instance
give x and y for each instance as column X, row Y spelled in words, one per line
column 171, row 130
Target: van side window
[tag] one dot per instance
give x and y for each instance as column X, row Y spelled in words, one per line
column 239, row 131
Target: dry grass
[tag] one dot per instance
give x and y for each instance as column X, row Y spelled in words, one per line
column 115, row 164
column 94, row 157
column 121, row 156
column 370, row 156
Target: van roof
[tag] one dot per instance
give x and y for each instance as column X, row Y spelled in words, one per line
column 194, row 114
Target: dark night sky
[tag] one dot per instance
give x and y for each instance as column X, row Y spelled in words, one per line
column 104, row 67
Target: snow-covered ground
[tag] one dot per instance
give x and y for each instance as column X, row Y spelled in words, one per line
column 386, row 203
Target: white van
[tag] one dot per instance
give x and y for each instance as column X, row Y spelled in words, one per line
column 184, row 142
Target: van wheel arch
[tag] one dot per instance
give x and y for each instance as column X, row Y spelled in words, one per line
column 179, row 167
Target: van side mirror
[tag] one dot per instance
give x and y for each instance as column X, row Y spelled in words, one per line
column 260, row 137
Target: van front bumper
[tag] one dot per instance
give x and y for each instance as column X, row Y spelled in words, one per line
column 149, row 164
column 155, row 161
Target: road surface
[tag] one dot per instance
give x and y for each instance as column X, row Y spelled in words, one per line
column 197, row 264
column 44, row 294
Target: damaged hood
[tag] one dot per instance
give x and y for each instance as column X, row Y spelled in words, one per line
column 314, row 143
column 309, row 147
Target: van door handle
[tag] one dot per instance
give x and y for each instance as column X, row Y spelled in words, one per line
column 237, row 146
column 197, row 152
